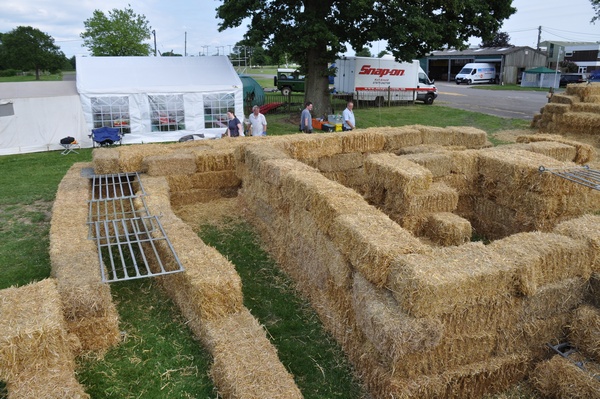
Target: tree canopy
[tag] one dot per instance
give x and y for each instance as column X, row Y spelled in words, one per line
column 315, row 32
column 596, row 7
column 121, row 33
column 500, row 39
column 28, row 48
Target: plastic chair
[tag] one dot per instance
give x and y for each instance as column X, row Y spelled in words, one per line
column 105, row 136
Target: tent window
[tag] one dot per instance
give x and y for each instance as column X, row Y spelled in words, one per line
column 111, row 112
column 167, row 112
column 215, row 109
column 6, row 109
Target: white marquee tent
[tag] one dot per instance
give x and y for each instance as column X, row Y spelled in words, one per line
column 158, row 99
column 34, row 116
column 151, row 99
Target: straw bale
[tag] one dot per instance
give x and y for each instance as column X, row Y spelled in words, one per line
column 33, row 328
column 365, row 141
column 584, row 331
column 253, row 155
column 445, row 228
column 131, row 157
column 246, row 364
column 593, row 294
column 489, row 314
column 372, row 241
column 323, row 198
column 96, row 333
column 565, row 99
column 438, row 163
column 556, row 108
column 585, row 228
column 391, row 331
column 448, row 279
column 201, row 195
column 106, row 161
column 437, row 135
column 539, row 258
column 463, row 184
column 470, row 381
column 216, row 160
column 55, row 381
column 582, row 122
column 272, row 171
column 210, row 287
column 208, row 180
column 492, row 220
column 469, row 137
column 438, row 198
column 560, row 297
column 426, row 148
column 305, row 146
column 340, row 162
column 560, row 152
column 170, row 164
column 399, row 137
column 391, row 172
column 593, row 99
column 585, row 152
column 592, row 107
column 562, row 379
column 583, row 90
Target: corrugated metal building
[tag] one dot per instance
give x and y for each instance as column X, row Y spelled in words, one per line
column 510, row 62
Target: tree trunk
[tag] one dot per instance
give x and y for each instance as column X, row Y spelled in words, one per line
column 317, row 82
column 37, row 73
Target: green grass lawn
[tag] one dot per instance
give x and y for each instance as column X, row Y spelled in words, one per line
column 159, row 356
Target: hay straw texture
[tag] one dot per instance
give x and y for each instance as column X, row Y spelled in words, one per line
column 393, row 333
column 539, row 258
column 87, row 302
column 210, row 287
column 36, row 360
column 448, row 279
column 560, row 378
column 446, row 229
column 584, row 331
column 585, row 152
column 585, row 228
column 246, row 364
column 169, row 164
column 305, row 146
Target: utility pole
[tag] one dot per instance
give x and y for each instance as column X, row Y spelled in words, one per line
column 154, row 34
column 539, row 37
column 185, row 46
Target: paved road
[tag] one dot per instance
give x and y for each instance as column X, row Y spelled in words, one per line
column 503, row 103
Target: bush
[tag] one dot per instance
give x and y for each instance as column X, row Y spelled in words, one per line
column 8, row 72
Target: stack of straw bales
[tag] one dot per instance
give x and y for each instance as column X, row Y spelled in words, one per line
column 577, row 112
column 87, row 302
column 36, row 360
column 209, row 294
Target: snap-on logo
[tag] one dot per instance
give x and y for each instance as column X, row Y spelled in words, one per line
column 367, row 70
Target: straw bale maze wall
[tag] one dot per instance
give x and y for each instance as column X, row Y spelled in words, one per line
column 575, row 113
column 375, row 228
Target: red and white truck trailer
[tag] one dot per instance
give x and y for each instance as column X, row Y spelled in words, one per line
column 383, row 79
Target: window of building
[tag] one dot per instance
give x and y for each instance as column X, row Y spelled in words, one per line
column 111, row 112
column 215, row 109
column 167, row 112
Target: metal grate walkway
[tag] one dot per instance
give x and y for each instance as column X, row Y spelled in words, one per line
column 581, row 175
column 129, row 239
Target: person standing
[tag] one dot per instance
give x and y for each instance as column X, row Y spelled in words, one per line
column 258, row 122
column 306, row 118
column 348, row 116
column 234, row 126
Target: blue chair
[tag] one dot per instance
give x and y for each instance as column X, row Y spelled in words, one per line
column 105, row 136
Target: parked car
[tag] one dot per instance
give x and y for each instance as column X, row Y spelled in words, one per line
column 594, row 76
column 567, row 78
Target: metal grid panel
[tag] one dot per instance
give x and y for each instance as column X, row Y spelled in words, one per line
column 127, row 236
column 582, row 175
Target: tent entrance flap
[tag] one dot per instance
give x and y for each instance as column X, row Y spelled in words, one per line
column 131, row 243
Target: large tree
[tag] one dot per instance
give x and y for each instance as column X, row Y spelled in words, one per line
column 121, row 33
column 596, row 7
column 28, row 48
column 500, row 39
column 315, row 32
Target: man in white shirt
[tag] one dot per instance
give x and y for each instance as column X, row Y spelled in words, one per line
column 348, row 117
column 258, row 122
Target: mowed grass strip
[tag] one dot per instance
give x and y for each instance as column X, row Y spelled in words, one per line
column 312, row 356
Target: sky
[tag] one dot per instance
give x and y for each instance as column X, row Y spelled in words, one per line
column 190, row 26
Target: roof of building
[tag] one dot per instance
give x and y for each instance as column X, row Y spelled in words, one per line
column 475, row 51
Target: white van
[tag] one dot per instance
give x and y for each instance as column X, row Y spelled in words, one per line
column 477, row 72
